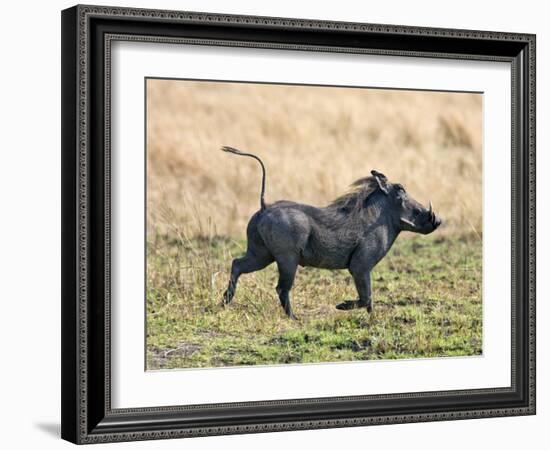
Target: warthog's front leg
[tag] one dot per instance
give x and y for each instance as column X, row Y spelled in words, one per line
column 360, row 267
column 362, row 283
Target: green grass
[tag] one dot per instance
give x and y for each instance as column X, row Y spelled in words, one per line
column 426, row 298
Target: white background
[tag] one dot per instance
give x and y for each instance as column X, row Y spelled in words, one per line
column 30, row 225
column 133, row 387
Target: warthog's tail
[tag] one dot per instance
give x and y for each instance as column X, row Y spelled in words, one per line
column 225, row 148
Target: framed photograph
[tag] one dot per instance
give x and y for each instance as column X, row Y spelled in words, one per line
column 280, row 224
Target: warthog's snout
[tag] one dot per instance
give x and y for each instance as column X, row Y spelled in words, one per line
column 433, row 219
column 436, row 221
column 418, row 219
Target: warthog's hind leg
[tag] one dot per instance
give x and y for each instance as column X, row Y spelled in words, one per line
column 248, row 263
column 287, row 271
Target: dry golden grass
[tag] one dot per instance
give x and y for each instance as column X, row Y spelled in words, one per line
column 314, row 141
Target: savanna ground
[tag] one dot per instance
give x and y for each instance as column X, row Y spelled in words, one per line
column 315, row 142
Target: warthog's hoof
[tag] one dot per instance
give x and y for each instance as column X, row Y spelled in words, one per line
column 227, row 297
column 353, row 304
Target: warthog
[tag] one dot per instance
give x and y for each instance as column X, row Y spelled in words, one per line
column 354, row 232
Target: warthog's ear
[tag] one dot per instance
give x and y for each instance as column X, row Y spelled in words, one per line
column 381, row 179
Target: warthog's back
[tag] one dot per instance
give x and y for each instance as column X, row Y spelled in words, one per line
column 316, row 236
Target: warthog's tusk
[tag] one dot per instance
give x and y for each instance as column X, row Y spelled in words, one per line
column 431, row 212
column 407, row 222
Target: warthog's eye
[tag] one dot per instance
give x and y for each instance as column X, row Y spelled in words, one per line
column 400, row 192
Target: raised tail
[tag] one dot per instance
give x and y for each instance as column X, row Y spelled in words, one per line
column 225, row 148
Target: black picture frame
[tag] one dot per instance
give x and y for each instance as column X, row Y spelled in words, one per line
column 87, row 416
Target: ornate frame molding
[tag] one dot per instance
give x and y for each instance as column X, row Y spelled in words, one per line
column 80, row 418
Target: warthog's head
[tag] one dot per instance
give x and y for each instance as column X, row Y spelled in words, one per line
column 408, row 214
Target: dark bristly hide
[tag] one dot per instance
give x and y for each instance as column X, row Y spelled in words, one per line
column 353, row 232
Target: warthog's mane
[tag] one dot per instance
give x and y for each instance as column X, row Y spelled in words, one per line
column 354, row 200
